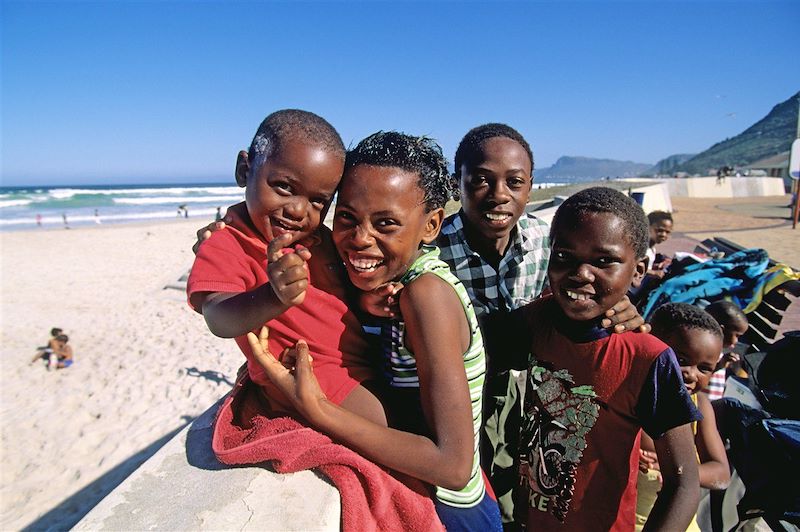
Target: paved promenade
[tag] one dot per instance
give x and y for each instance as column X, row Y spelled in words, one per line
column 763, row 222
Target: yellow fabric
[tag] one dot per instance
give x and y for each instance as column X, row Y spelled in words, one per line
column 649, row 484
column 782, row 273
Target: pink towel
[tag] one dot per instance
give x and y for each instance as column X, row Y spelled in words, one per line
column 371, row 498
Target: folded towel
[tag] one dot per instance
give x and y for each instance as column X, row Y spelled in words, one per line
column 371, row 498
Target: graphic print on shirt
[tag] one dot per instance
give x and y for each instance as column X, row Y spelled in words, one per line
column 558, row 415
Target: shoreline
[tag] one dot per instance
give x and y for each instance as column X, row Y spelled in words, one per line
column 196, row 220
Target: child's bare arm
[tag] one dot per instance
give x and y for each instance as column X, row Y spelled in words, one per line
column 445, row 458
column 233, row 314
column 714, row 470
column 677, row 502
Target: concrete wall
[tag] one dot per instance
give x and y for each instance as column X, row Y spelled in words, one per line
column 656, row 198
column 184, row 487
column 730, row 187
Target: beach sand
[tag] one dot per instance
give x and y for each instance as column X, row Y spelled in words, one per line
column 145, row 363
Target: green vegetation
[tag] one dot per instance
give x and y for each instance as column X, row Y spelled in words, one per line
column 769, row 136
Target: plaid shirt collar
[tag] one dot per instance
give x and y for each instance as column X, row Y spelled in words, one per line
column 521, row 243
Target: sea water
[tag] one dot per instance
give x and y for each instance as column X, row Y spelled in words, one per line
column 81, row 205
column 24, row 208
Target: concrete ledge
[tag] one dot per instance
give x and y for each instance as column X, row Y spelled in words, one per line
column 656, row 198
column 184, row 487
column 730, row 187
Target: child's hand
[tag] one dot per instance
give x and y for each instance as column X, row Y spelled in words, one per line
column 287, row 270
column 294, row 376
column 382, row 302
column 624, row 317
column 729, row 358
column 663, row 265
column 204, row 233
column 647, row 460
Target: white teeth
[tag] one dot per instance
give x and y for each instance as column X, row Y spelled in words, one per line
column 577, row 296
column 497, row 217
column 365, row 265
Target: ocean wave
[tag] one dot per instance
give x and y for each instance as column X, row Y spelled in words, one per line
column 15, row 203
column 119, row 217
column 227, row 200
column 66, row 193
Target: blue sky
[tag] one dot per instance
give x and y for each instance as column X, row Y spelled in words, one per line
column 132, row 92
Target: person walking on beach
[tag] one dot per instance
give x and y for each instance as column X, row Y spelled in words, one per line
column 218, row 217
column 96, row 217
column 64, row 217
column 38, row 220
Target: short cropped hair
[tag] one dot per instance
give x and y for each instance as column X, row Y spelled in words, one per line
column 470, row 145
column 55, row 331
column 292, row 124
column 658, row 216
column 418, row 155
column 726, row 313
column 604, row 199
column 62, row 338
column 672, row 316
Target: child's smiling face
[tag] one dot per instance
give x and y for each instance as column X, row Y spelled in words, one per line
column 291, row 189
column 592, row 264
column 495, row 187
column 380, row 222
column 697, row 351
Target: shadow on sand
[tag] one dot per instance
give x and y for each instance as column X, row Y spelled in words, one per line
column 210, row 375
column 72, row 509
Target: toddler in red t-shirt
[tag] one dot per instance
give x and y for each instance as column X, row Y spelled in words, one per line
column 275, row 263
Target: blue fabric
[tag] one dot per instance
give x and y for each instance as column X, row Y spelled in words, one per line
column 664, row 403
column 485, row 516
column 734, row 275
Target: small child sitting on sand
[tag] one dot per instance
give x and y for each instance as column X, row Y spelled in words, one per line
column 57, row 353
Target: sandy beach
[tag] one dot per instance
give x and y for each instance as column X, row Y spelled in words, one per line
column 146, row 364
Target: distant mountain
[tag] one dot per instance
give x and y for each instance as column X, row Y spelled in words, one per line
column 668, row 165
column 771, row 135
column 586, row 168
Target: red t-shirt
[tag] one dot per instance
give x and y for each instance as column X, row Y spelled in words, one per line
column 589, row 393
column 235, row 260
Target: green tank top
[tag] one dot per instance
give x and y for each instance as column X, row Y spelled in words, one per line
column 402, row 371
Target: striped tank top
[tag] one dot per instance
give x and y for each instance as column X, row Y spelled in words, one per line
column 402, row 371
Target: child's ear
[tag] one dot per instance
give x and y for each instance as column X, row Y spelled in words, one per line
column 433, row 225
column 242, row 168
column 638, row 274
